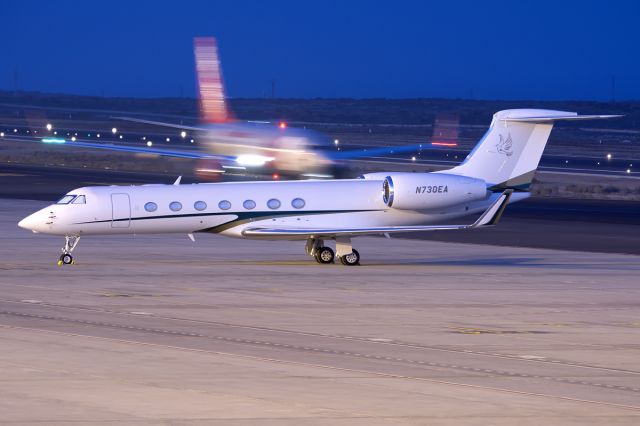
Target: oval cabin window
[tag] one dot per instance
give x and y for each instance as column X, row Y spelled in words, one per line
column 273, row 204
column 298, row 203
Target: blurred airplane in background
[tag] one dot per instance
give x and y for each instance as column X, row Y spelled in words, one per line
column 225, row 145
column 262, row 147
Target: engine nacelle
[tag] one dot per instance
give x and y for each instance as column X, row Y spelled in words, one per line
column 426, row 191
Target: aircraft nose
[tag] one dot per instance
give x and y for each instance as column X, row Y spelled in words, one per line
column 29, row 223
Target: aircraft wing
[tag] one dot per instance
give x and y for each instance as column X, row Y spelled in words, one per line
column 490, row 217
column 137, row 149
column 163, row 124
column 186, row 153
column 347, row 155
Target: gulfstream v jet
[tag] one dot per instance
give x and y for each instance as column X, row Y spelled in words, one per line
column 498, row 171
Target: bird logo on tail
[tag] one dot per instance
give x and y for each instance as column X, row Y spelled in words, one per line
column 505, row 146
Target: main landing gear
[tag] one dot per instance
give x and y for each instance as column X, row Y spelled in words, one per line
column 324, row 255
column 70, row 243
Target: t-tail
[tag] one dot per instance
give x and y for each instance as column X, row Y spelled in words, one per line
column 508, row 155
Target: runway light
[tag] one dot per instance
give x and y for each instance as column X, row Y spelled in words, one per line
column 144, row 138
column 98, row 135
column 49, row 126
column 336, row 141
column 1, row 134
column 149, row 143
column 275, row 176
column 413, row 158
column 628, row 170
column 55, row 133
column 120, row 136
column 73, row 138
column 282, row 125
column 15, row 130
column 114, row 130
column 183, row 134
column 566, row 161
column 168, row 140
column 191, row 140
column 608, row 156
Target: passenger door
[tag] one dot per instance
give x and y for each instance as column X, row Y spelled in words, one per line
column 120, row 211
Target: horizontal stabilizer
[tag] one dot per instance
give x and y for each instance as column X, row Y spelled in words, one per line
column 490, row 217
column 551, row 119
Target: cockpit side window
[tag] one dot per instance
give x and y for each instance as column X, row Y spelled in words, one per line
column 66, row 199
column 80, row 199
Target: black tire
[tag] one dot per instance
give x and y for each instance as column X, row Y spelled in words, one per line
column 67, row 259
column 351, row 259
column 325, row 255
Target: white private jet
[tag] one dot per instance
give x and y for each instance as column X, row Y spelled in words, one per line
column 499, row 170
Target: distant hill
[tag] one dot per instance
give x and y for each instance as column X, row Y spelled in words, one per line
column 363, row 111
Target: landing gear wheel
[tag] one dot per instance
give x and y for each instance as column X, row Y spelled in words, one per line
column 351, row 259
column 324, row 255
column 70, row 243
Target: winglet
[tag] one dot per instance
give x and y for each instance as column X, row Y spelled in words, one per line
column 177, row 182
column 492, row 215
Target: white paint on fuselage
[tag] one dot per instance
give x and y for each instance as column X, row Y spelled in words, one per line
column 344, row 204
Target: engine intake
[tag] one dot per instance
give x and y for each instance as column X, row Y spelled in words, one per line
column 425, row 191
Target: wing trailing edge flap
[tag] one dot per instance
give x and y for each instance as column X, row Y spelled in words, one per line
column 490, row 217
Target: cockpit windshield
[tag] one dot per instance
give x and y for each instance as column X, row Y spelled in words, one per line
column 66, row 199
column 72, row 199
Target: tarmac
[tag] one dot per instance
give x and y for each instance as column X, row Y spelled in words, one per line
column 160, row 330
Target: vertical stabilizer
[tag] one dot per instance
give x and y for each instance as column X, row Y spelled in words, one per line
column 507, row 156
column 213, row 105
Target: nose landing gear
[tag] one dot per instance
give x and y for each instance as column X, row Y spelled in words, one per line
column 70, row 243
